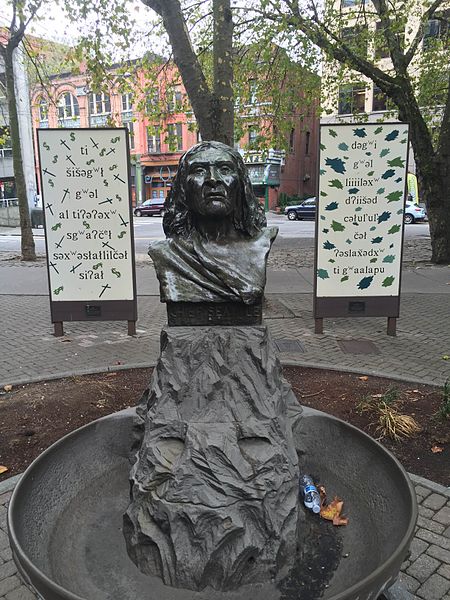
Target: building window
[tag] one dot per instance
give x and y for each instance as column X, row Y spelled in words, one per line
column 351, row 98
column 175, row 99
column 68, row 107
column 437, row 29
column 43, row 110
column 307, row 142
column 345, row 3
column 99, row 104
column 253, row 89
column 381, row 48
column 252, row 136
column 130, row 126
column 127, row 102
column 380, row 101
column 175, row 139
column 292, row 140
column 152, row 101
column 153, row 140
column 356, row 38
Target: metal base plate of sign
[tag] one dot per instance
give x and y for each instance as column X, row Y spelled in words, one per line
column 85, row 185
column 359, row 226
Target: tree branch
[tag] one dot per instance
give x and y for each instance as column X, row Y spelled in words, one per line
column 419, row 34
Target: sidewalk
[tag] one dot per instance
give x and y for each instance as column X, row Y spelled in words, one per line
column 31, row 353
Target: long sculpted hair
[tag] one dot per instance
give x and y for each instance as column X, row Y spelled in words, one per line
column 248, row 216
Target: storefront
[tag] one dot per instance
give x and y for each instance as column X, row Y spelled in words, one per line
column 264, row 176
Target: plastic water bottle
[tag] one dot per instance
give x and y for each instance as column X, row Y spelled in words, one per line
column 311, row 497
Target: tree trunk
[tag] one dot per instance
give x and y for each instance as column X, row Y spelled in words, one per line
column 27, row 246
column 223, row 122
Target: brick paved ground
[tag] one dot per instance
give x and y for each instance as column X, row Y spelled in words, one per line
column 425, row 576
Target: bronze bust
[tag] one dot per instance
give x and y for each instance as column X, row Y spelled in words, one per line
column 217, row 243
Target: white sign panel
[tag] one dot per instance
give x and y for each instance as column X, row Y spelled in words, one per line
column 361, row 206
column 85, row 186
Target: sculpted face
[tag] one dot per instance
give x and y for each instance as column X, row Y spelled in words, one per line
column 212, row 183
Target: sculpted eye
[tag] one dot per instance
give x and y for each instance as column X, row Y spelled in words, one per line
column 198, row 170
column 225, row 170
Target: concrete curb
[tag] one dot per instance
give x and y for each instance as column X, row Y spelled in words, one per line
column 9, row 484
column 286, row 363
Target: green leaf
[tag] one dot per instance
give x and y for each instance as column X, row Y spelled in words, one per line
column 395, row 196
column 332, row 133
column 345, row 278
column 322, row 146
column 328, row 245
column 335, row 183
column 392, row 136
column 323, row 274
column 378, row 130
column 377, row 240
column 394, row 229
column 322, row 171
column 385, row 216
column 331, row 260
column 358, row 208
column 323, row 194
column 387, row 174
column 336, row 164
column 384, row 152
column 373, row 260
column 353, row 190
column 332, row 206
column 388, row 281
column 380, row 191
column 396, row 162
column 343, row 146
column 325, row 230
column 370, row 173
column 360, row 132
column 336, row 226
column 389, row 258
column 365, row 282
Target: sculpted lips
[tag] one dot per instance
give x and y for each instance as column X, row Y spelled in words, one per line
column 212, row 194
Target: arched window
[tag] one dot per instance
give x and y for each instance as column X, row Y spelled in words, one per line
column 43, row 110
column 68, row 106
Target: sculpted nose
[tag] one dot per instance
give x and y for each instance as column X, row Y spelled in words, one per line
column 211, row 175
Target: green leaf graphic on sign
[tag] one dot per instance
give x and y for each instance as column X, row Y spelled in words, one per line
column 392, row 136
column 336, row 226
column 325, row 230
column 394, row 229
column 388, row 281
column 323, row 194
column 380, row 191
column 377, row 240
column 396, row 162
column 323, row 274
column 349, row 241
column 358, row 208
column 400, row 211
column 345, row 278
column 335, row 183
column 378, row 130
column 372, row 228
column 322, row 146
column 388, row 173
column 332, row 133
column 403, row 141
column 385, row 216
column 365, row 282
column 391, row 246
column 322, row 217
column 398, row 180
column 389, row 258
column 332, row 206
column 353, row 190
column 322, row 171
column 373, row 260
column 384, row 152
column 370, row 173
column 395, row 196
column 331, row 260
column 361, row 132
column 336, row 164
column 328, row 246
column 343, row 146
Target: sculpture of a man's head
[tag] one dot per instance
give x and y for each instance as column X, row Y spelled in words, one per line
column 212, row 183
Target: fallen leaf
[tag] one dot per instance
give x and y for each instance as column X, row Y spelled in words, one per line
column 111, row 374
column 363, row 378
column 3, row 469
column 332, row 512
column 323, row 494
column 446, row 357
column 436, row 449
column 66, row 340
column 7, row 387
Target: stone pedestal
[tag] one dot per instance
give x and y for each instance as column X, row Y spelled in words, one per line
column 214, row 486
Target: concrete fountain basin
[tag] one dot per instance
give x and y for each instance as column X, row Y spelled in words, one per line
column 65, row 517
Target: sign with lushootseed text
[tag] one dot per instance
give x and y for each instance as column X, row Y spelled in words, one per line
column 360, row 210
column 85, row 185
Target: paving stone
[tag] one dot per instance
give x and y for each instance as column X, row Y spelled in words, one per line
column 434, row 538
column 434, row 501
column 6, row 554
column 430, row 525
column 444, row 570
column 422, row 491
column 4, row 498
column 4, row 543
column 434, row 588
column 7, row 569
column 439, row 553
column 9, row 584
column 443, row 516
column 417, row 548
column 21, row 593
column 423, row 567
column 410, row 584
column 427, row 513
column 447, row 532
column 397, row 592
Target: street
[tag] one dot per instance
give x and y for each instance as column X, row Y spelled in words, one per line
column 148, row 229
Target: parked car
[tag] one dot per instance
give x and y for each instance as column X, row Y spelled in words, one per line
column 151, row 207
column 305, row 210
column 413, row 213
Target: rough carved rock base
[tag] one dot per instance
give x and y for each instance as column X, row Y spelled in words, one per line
column 214, row 486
